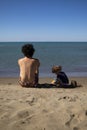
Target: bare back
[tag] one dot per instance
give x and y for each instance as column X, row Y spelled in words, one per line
column 28, row 68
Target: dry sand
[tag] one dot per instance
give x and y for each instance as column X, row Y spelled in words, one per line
column 42, row 108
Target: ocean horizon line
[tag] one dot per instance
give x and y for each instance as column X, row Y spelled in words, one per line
column 43, row 41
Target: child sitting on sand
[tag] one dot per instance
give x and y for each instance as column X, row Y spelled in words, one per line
column 62, row 79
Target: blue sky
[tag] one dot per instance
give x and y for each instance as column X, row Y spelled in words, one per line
column 43, row 20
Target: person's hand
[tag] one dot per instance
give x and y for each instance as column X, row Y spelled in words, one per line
column 53, row 82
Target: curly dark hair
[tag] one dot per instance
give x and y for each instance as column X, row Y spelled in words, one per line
column 28, row 50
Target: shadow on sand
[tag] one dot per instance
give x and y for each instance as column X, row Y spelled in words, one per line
column 46, row 85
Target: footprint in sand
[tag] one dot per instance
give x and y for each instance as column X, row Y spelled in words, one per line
column 23, row 114
column 22, row 117
column 31, row 100
column 70, row 99
column 80, row 117
column 69, row 122
column 75, row 128
column 4, row 116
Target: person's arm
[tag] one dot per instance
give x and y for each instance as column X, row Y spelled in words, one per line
column 37, row 66
column 37, row 71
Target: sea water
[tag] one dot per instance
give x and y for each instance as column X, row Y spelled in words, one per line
column 72, row 56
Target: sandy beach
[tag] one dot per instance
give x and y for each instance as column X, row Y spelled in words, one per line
column 42, row 108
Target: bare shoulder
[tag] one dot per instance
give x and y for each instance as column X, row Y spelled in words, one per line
column 37, row 61
column 20, row 60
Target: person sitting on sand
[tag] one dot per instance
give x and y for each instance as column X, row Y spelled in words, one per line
column 62, row 79
column 29, row 67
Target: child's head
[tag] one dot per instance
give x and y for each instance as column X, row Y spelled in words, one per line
column 28, row 50
column 56, row 69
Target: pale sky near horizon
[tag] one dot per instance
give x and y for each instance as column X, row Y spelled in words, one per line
column 43, row 20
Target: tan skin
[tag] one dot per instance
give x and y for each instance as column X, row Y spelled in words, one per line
column 28, row 68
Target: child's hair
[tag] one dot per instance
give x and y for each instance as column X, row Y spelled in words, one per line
column 28, row 50
column 56, row 69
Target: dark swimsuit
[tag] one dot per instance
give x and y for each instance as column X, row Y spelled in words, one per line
column 28, row 84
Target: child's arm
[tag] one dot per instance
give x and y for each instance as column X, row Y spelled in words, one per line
column 53, row 82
